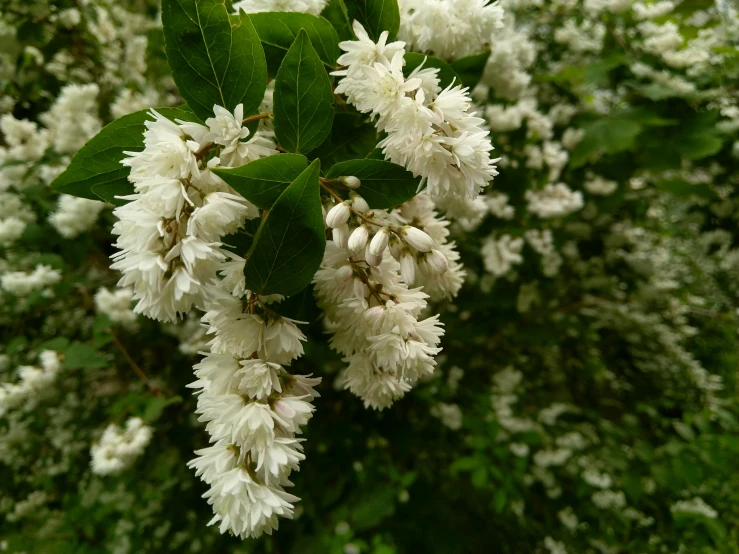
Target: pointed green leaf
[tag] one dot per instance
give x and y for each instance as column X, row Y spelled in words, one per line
column 303, row 99
column 384, row 184
column 470, row 68
column 216, row 58
column 376, row 16
column 96, row 172
column 262, row 181
column 288, row 247
column 336, row 13
column 278, row 31
column 446, row 74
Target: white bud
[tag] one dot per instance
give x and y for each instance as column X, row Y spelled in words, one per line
column 372, row 259
column 417, row 239
column 379, row 242
column 351, row 182
column 436, row 262
column 396, row 248
column 338, row 215
column 344, row 273
column 408, row 267
column 359, row 203
column 340, row 235
column 358, row 239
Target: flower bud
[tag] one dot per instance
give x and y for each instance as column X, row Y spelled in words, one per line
column 338, row 215
column 351, row 182
column 417, row 238
column 358, row 239
column 344, row 273
column 408, row 267
column 396, row 248
column 437, row 262
column 340, row 235
column 379, row 242
column 359, row 203
column 371, row 259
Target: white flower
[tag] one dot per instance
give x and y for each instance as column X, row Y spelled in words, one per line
column 500, row 255
column 554, row 201
column 117, row 449
column 75, row 215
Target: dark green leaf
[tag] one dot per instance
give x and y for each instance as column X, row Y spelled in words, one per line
column 96, row 172
column 303, row 99
column 289, row 244
column 352, row 136
column 216, row 58
column 262, row 181
column 446, row 74
column 384, row 184
column 470, row 68
column 376, row 16
column 278, row 30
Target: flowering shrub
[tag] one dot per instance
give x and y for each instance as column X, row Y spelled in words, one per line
column 508, row 229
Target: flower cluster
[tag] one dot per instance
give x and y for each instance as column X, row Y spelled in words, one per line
column 33, row 381
column 253, row 408
column 117, row 449
column 363, row 288
column 169, row 231
column 425, row 25
column 430, row 131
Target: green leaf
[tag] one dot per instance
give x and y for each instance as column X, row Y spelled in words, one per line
column 446, row 74
column 352, row 136
column 262, row 181
column 289, row 244
column 336, row 13
column 216, row 58
column 83, row 356
column 278, row 31
column 303, row 99
column 96, row 172
column 155, row 406
column 611, row 134
column 470, row 68
column 376, row 16
column 384, row 184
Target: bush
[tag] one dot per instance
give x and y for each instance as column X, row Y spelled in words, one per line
column 321, row 228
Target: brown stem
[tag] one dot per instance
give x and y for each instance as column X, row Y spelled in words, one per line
column 132, row 363
column 257, row 117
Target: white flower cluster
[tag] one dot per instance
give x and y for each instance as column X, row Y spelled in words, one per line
column 117, row 306
column 253, row 408
column 75, row 215
column 117, row 449
column 14, row 216
column 22, row 283
column 32, row 382
column 694, row 506
column 169, row 231
column 314, row 7
column 554, row 201
column 430, row 131
column 363, row 289
column 449, row 29
column 73, row 119
column 499, row 255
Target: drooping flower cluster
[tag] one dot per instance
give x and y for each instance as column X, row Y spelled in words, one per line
column 425, row 25
column 363, row 287
column 169, row 231
column 430, row 131
column 253, row 408
column 117, row 449
column 75, row 215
